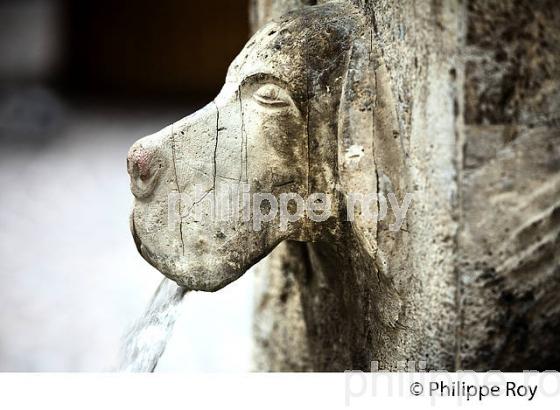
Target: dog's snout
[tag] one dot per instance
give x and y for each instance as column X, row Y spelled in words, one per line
column 143, row 165
column 139, row 161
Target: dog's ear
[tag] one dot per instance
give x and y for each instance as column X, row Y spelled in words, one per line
column 371, row 164
column 390, row 168
column 356, row 162
column 370, row 156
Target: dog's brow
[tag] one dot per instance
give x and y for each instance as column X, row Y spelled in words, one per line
column 232, row 75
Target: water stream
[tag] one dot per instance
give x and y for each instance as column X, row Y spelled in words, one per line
column 145, row 343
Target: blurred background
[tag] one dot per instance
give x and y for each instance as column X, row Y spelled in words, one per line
column 80, row 81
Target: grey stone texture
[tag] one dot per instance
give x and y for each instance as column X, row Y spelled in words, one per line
column 471, row 281
column 452, row 102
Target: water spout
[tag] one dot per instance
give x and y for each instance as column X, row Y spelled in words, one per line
column 145, row 343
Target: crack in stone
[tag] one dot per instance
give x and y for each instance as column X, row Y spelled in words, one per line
column 173, row 148
column 308, row 111
column 218, row 176
column 371, row 62
column 243, row 138
column 281, row 184
column 308, row 147
column 216, row 146
column 199, row 201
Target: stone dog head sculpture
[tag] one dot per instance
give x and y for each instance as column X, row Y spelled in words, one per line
column 277, row 126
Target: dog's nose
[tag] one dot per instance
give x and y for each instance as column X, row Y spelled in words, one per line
column 138, row 162
column 143, row 165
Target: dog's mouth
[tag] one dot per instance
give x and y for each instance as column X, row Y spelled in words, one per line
column 140, row 247
column 142, row 187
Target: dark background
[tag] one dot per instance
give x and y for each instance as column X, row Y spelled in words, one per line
column 139, row 48
column 162, row 48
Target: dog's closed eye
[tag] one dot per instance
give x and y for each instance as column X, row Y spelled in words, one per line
column 272, row 95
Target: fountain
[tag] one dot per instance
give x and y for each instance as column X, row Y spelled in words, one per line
column 144, row 345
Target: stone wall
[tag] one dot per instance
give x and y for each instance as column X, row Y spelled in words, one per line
column 471, row 281
column 508, row 260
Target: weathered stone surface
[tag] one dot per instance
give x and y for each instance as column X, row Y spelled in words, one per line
column 476, row 98
column 395, row 300
column 280, row 333
column 508, row 257
column 454, row 103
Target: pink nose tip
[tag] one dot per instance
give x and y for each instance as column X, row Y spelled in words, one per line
column 139, row 163
column 143, row 166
